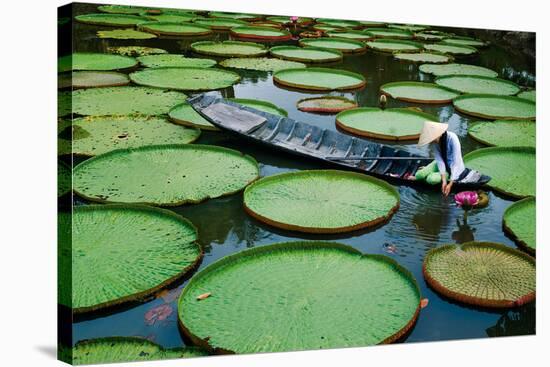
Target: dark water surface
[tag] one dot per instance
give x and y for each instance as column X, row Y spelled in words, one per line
column 425, row 219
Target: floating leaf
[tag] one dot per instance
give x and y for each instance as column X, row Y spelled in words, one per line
column 260, row 105
column 332, row 43
column 92, row 79
column 94, row 61
column 185, row 78
column 172, row 60
column 478, row 84
column 491, row 106
column 325, row 104
column 504, row 133
column 419, row 92
column 520, row 221
column 260, row 64
column 125, row 34
column 457, row 69
column 319, row 79
column 229, row 48
column 306, row 54
column 110, row 19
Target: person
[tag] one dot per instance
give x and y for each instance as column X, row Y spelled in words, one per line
column 448, row 154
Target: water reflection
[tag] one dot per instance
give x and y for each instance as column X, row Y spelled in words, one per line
column 464, row 233
column 519, row 321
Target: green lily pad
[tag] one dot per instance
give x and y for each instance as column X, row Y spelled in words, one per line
column 332, row 43
column 121, row 9
column 164, row 174
column 451, row 49
column 520, row 221
column 173, row 60
column 64, row 104
column 389, row 33
column 512, row 169
column 261, row 33
column 319, row 79
column 408, row 27
column 464, row 41
column 530, row 95
column 418, row 92
column 184, row 114
column 92, row 79
column 388, row 124
column 339, row 22
column 457, row 69
column 117, row 20
column 126, row 349
column 324, row 295
column 124, row 101
column 504, row 133
column 229, row 48
column 482, row 274
column 354, row 35
column 125, row 34
column 170, row 17
column 95, row 135
column 326, row 28
column 117, row 258
column 421, row 57
column 393, row 45
column 325, row 104
column 260, row 64
column 286, row 20
column 64, row 179
column 263, row 106
column 175, row 29
column 220, row 24
column 431, row 35
column 189, row 78
column 478, row 84
column 321, row 201
column 490, row 106
column 240, row 16
column 94, row 61
column 136, row 50
column 266, row 23
column 306, row 54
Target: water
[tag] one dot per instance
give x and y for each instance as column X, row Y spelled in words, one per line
column 424, row 221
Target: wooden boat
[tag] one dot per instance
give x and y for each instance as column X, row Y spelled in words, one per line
column 382, row 161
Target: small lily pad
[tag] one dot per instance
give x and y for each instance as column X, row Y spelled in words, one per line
column 457, row 69
column 504, row 133
column 393, row 33
column 229, row 48
column 341, row 44
column 409, row 27
column 354, row 35
column 135, row 50
column 175, row 29
column 325, row 104
column 319, row 79
column 121, row 9
column 306, row 54
column 92, row 79
column 117, row 20
column 520, row 221
column 188, row 78
column 451, row 49
column 260, row 64
column 184, row 114
column 464, row 41
column 173, row 60
column 422, row 57
column 418, row 92
column 94, row 61
column 125, row 34
column 393, row 45
column 261, row 33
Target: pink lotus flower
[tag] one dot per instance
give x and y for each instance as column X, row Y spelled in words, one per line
column 294, row 19
column 466, row 199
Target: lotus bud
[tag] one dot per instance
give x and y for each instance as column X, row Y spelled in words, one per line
column 383, row 101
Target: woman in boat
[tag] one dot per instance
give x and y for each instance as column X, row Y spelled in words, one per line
column 448, row 155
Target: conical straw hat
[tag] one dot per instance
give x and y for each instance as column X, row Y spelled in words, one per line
column 431, row 131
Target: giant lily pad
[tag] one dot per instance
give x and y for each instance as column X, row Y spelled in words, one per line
column 504, row 133
column 321, row 201
column 121, row 9
column 388, row 124
column 325, row 104
column 418, row 92
column 94, row 61
column 457, row 69
column 512, row 169
column 240, row 16
column 164, row 174
column 496, row 107
column 431, row 35
column 173, row 60
column 326, row 28
column 388, row 33
column 100, row 134
column 175, row 29
column 323, row 295
column 520, row 221
column 481, row 273
column 451, row 49
column 408, row 27
column 319, row 79
column 354, row 35
column 464, row 41
column 92, row 79
column 189, row 78
column 260, row 64
column 221, row 24
column 117, row 258
column 394, row 45
column 229, row 48
column 64, row 179
column 171, row 17
column 339, row 22
column 263, row 106
column 332, row 43
column 281, row 19
column 421, row 57
column 530, row 95
column 126, row 349
column 125, row 34
column 306, row 54
column 124, row 101
column 135, row 50
column 478, row 84
column 110, row 19
column 261, row 33
column 184, row 114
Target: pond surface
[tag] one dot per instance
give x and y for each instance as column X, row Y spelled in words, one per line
column 424, row 220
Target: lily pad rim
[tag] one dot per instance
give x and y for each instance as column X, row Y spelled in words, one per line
column 490, row 117
column 414, row 100
column 171, row 146
column 369, row 134
column 255, row 251
column 521, row 243
column 146, row 294
column 476, row 301
column 328, row 230
column 324, row 70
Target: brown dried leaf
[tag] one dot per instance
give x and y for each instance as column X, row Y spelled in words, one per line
column 424, row 302
column 203, row 296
